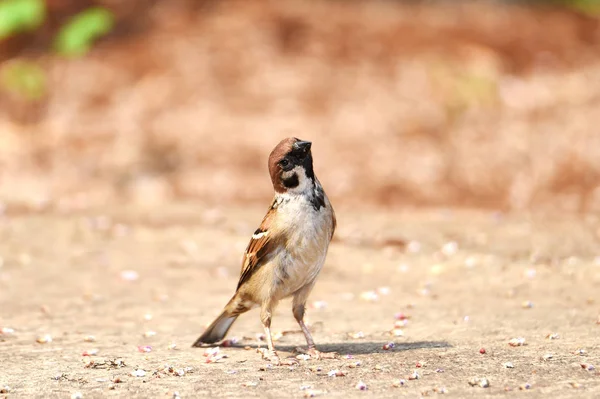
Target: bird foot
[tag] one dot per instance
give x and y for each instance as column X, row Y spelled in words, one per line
column 316, row 354
column 275, row 360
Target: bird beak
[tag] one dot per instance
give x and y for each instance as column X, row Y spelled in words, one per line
column 301, row 146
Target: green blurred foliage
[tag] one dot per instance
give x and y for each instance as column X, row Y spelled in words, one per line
column 20, row 16
column 77, row 36
column 590, row 7
column 23, row 78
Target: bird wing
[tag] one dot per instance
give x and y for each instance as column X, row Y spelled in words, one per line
column 263, row 245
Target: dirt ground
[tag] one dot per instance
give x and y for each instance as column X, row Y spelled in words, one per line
column 463, row 281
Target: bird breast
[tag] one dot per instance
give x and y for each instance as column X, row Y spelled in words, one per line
column 308, row 236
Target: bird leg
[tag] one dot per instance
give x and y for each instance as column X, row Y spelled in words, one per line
column 298, row 309
column 265, row 317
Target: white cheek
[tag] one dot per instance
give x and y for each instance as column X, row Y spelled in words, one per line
column 304, row 183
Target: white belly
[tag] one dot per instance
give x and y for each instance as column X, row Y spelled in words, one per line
column 308, row 240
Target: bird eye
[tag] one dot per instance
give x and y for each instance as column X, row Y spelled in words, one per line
column 284, row 162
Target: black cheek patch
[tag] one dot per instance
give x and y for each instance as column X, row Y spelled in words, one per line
column 291, row 181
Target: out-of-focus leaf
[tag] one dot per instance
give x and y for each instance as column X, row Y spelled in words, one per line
column 76, row 36
column 24, row 78
column 20, row 15
column 590, row 7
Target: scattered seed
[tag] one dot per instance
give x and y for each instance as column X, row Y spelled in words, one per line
column 547, row 356
column 369, row 296
column 388, row 346
column 303, row 356
column 527, row 305
column 311, row 393
column 414, row 376
column 172, row 346
column 517, row 341
column 508, row 365
column 44, row 339
column 5, row 389
column 357, row 335
column 145, row 349
column 148, row 317
column 91, row 352
column 524, row 387
column 149, row 334
column 482, row 382
column 575, row 385
column 440, row 391
column 384, row 290
column 420, row 364
column 398, row 383
column 588, row 367
column 89, row 338
column 336, row 373
column 250, row 384
column 361, row 386
column 230, row 342
column 354, row 364
column 6, row 330
column 552, row 336
column 397, row 332
column 77, row 395
column 138, row 373
column 482, row 351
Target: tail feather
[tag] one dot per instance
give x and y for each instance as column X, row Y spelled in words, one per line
column 217, row 330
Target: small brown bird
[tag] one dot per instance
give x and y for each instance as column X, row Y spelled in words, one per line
column 286, row 253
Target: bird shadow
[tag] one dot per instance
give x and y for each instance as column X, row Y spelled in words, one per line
column 360, row 348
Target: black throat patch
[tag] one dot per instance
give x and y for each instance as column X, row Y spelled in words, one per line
column 291, row 182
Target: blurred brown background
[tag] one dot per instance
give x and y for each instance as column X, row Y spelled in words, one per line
column 485, row 104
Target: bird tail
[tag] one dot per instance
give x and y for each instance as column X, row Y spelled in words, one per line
column 219, row 328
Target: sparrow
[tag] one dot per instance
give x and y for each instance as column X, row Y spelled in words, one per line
column 286, row 253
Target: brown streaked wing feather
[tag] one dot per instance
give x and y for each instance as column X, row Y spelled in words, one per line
column 259, row 249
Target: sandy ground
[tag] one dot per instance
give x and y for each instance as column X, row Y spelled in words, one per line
column 465, row 281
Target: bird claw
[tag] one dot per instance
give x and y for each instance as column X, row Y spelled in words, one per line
column 275, row 360
column 318, row 355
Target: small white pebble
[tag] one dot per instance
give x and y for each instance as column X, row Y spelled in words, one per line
column 138, row 373
column 319, row 305
column 6, row 330
column 129, row 275
column 508, row 365
column 369, row 296
column 413, row 246
column 77, row 395
column 530, row 273
column 450, row 248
